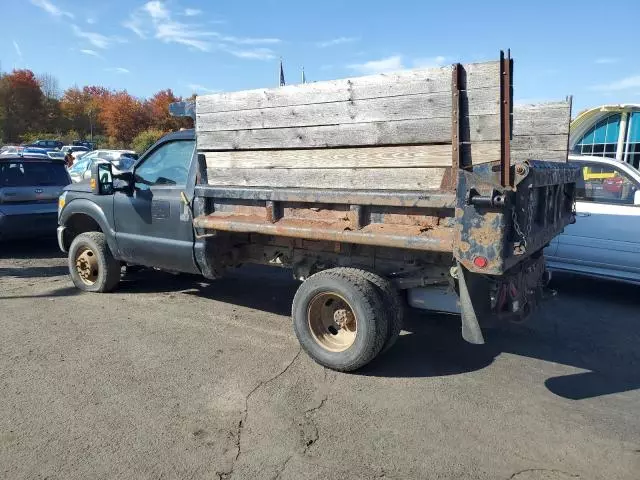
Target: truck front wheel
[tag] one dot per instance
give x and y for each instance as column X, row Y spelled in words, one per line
column 339, row 319
column 91, row 264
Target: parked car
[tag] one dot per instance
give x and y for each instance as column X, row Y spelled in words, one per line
column 605, row 240
column 30, row 185
column 32, row 151
column 121, row 159
column 73, row 149
column 11, row 149
column 83, row 143
column 57, row 144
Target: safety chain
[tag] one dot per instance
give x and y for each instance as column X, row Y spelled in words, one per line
column 528, row 223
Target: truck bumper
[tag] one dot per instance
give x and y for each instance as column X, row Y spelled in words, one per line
column 60, row 234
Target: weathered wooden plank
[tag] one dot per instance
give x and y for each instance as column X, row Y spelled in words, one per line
column 538, row 154
column 410, row 82
column 542, row 119
column 539, row 142
column 331, row 158
column 408, row 107
column 400, row 132
column 352, row 178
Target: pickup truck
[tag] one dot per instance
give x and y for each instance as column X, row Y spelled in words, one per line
column 415, row 187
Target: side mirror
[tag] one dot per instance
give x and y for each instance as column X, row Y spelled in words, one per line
column 636, row 198
column 101, row 178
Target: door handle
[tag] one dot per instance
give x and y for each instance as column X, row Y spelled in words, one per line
column 583, row 214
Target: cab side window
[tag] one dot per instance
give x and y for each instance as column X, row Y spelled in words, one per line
column 168, row 165
column 602, row 183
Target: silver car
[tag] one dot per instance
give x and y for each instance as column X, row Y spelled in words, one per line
column 605, row 240
column 29, row 191
column 120, row 159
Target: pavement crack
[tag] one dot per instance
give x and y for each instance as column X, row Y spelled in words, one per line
column 245, row 413
column 281, row 470
column 310, row 439
column 549, row 470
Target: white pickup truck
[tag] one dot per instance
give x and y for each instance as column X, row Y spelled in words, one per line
column 605, row 240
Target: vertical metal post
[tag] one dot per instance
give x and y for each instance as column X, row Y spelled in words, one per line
column 505, row 118
column 622, row 133
column 456, row 161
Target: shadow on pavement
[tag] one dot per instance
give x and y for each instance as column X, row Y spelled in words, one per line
column 592, row 325
column 33, row 272
column 45, row 247
column 58, row 292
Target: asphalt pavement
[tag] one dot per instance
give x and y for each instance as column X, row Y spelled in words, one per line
column 174, row 377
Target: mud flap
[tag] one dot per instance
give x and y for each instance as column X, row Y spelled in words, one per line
column 474, row 303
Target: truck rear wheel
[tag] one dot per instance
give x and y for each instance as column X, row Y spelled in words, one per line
column 391, row 301
column 339, row 319
column 91, row 264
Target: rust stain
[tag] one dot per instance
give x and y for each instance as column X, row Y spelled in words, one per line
column 486, row 234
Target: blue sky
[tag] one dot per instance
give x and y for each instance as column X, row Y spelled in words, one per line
column 580, row 48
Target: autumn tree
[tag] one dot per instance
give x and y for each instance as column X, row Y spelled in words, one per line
column 21, row 101
column 158, row 107
column 123, row 116
column 82, row 108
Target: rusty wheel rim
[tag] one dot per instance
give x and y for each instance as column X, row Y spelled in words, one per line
column 87, row 266
column 332, row 322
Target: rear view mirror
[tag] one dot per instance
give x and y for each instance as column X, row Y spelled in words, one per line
column 636, row 198
column 101, row 178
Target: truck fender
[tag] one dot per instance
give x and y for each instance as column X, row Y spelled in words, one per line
column 90, row 209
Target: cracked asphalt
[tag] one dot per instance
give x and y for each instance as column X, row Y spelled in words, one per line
column 172, row 377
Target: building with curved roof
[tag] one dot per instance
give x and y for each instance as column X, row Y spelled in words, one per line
column 611, row 131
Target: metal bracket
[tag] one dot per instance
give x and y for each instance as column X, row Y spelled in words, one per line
column 456, row 160
column 506, row 110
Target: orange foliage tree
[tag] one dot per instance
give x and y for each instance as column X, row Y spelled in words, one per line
column 158, row 107
column 21, row 102
column 123, row 117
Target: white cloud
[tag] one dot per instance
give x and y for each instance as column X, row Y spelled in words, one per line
column 254, row 54
column 155, row 20
column 627, row 83
column 606, row 60
column 51, row 9
column 17, row 47
column 197, row 88
column 336, row 41
column 429, row 62
column 388, row 64
column 91, row 53
column 192, row 12
column 91, row 21
column 246, row 40
column 117, row 70
column 96, row 39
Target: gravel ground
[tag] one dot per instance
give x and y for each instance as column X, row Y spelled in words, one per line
column 171, row 377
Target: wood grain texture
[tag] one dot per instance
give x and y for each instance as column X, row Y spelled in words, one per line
column 542, row 119
column 407, row 107
column 410, row 82
column 373, row 157
column 400, row 132
column 351, row 178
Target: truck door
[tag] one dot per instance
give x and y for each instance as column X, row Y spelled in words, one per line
column 153, row 226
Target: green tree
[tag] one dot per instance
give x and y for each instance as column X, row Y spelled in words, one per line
column 145, row 139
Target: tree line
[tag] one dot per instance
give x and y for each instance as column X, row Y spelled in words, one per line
column 33, row 107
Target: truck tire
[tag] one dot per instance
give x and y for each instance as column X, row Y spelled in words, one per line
column 391, row 301
column 91, row 264
column 339, row 319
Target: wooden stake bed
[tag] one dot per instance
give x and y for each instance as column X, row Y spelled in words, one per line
column 298, row 161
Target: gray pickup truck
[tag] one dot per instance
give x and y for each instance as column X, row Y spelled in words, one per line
column 369, row 215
